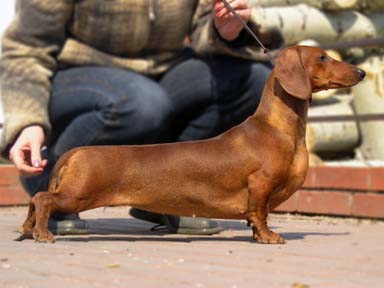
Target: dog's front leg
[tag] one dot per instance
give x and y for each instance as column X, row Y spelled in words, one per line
column 260, row 188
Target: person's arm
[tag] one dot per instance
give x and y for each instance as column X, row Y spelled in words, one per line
column 30, row 46
column 216, row 31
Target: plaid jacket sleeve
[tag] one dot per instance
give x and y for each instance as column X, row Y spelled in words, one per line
column 30, row 45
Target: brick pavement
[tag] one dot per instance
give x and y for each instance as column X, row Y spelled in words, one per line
column 122, row 252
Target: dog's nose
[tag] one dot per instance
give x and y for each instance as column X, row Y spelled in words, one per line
column 361, row 73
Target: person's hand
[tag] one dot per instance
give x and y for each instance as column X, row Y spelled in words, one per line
column 26, row 152
column 226, row 23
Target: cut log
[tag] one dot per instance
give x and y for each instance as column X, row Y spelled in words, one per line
column 371, row 5
column 302, row 22
column 330, row 5
column 274, row 3
column 332, row 136
column 369, row 99
column 315, row 160
column 339, row 4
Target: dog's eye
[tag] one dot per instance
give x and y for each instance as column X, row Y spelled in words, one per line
column 323, row 58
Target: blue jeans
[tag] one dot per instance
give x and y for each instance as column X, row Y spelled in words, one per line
column 196, row 99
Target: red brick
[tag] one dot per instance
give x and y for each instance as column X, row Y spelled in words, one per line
column 289, row 205
column 8, row 175
column 11, row 192
column 324, row 202
column 338, row 178
column 13, row 195
column 368, row 205
column 377, row 178
column 310, row 180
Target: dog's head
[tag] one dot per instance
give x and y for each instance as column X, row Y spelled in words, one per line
column 302, row 70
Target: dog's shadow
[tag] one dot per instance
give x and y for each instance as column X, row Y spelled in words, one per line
column 132, row 230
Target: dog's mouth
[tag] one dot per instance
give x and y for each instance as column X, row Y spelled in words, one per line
column 326, row 86
column 329, row 85
column 347, row 81
column 336, row 85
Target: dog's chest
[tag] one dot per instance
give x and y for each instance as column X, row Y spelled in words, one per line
column 294, row 179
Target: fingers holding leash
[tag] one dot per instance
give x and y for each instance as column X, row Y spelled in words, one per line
column 226, row 23
column 240, row 6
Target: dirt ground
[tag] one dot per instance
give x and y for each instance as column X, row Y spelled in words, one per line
column 123, row 252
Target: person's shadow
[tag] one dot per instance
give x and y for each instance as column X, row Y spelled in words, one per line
column 132, row 230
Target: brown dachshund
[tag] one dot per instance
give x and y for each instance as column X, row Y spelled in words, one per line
column 240, row 174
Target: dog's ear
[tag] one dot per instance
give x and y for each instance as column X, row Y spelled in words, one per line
column 290, row 72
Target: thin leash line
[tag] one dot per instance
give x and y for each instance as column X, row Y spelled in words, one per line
column 249, row 30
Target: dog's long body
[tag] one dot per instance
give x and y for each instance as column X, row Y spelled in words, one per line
column 241, row 174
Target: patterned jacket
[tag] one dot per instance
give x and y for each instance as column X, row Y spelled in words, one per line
column 146, row 36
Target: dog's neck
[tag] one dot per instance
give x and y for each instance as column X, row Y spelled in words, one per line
column 281, row 110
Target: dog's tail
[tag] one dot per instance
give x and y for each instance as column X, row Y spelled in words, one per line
column 58, row 170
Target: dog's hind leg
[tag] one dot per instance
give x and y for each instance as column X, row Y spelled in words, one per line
column 26, row 229
column 43, row 202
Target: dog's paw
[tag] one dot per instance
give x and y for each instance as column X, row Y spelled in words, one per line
column 268, row 238
column 25, row 233
column 25, row 230
column 43, row 237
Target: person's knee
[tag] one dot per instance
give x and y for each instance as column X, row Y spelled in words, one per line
column 259, row 74
column 152, row 112
column 141, row 117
